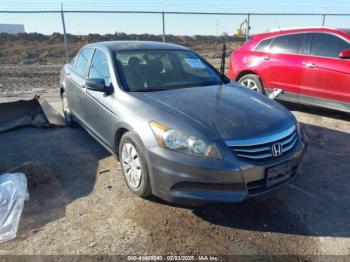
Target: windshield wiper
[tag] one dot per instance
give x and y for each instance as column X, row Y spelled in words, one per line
column 149, row 89
column 177, row 86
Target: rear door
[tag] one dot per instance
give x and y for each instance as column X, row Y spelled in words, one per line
column 284, row 61
column 75, row 82
column 325, row 75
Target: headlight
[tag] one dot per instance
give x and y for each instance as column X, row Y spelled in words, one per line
column 180, row 142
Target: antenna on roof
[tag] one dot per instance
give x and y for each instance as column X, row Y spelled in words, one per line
column 222, row 67
column 278, row 25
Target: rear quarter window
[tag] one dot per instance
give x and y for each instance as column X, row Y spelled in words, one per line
column 264, row 45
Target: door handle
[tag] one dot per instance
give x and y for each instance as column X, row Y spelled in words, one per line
column 267, row 58
column 310, row 65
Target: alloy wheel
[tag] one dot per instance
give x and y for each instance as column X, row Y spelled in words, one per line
column 131, row 165
column 249, row 83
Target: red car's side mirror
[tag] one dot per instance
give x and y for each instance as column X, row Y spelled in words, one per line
column 345, row 54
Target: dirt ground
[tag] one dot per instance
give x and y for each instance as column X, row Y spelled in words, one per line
column 87, row 209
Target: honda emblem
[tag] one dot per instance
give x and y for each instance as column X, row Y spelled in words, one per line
column 277, row 149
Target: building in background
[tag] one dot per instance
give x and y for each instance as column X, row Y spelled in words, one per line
column 11, row 28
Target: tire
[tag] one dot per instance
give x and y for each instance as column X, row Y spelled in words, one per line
column 133, row 165
column 68, row 117
column 252, row 82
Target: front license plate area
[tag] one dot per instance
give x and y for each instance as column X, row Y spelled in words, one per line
column 278, row 174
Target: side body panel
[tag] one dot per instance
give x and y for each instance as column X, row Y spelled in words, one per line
column 305, row 79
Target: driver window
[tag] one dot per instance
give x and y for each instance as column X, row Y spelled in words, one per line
column 327, row 45
column 99, row 67
column 81, row 65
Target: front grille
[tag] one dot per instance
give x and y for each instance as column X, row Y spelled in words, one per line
column 261, row 148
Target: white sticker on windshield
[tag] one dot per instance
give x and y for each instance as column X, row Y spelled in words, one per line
column 194, row 63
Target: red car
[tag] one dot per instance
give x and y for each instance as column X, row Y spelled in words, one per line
column 311, row 65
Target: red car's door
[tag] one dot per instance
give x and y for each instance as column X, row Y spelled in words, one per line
column 285, row 63
column 325, row 75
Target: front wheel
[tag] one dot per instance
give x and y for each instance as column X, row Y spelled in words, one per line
column 252, row 82
column 133, row 165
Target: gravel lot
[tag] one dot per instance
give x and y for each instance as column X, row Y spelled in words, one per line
column 87, row 209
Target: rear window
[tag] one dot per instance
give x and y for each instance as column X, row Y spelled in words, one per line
column 288, row 44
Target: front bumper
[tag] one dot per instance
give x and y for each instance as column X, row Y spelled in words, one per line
column 188, row 180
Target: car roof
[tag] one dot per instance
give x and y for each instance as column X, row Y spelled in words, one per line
column 135, row 45
column 345, row 32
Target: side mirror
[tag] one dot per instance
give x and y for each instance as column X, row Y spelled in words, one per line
column 345, row 54
column 96, row 84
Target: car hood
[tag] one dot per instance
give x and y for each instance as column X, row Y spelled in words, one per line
column 226, row 112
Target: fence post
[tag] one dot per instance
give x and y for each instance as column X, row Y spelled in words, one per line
column 163, row 21
column 248, row 26
column 66, row 46
column 323, row 19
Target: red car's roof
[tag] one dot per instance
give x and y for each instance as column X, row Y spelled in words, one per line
column 345, row 32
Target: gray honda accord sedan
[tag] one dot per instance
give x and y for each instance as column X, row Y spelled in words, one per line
column 180, row 130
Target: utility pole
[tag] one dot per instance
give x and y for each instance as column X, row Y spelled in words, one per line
column 217, row 26
column 323, row 20
column 66, row 45
column 163, row 20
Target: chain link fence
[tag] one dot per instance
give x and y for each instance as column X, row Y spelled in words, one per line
column 30, row 62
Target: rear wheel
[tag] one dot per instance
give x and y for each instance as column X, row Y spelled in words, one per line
column 133, row 165
column 252, row 82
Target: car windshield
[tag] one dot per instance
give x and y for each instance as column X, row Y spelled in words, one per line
column 152, row 70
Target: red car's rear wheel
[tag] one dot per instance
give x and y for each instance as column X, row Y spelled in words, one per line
column 252, row 82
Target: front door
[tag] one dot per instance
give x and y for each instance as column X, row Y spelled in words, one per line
column 98, row 106
column 325, row 75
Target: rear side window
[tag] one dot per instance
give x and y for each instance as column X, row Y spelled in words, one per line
column 288, row 44
column 327, row 45
column 83, row 60
column 99, row 67
column 264, row 45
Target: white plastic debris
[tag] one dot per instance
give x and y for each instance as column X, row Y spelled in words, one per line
column 276, row 92
column 13, row 192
